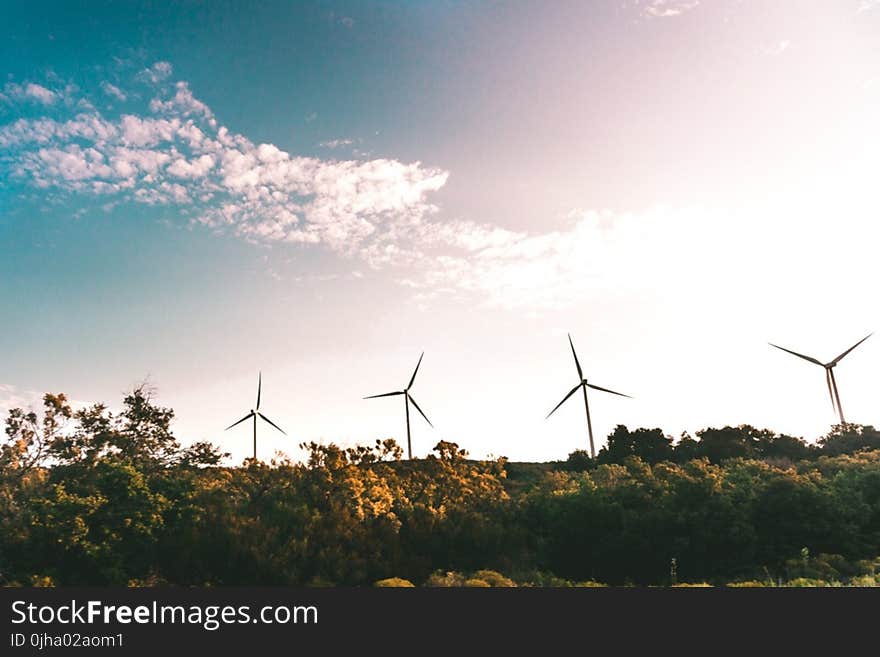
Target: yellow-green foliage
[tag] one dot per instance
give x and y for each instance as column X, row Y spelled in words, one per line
column 394, row 582
column 475, row 583
column 493, row 578
column 864, row 580
column 42, row 581
column 746, row 585
column 691, row 585
column 806, row 582
column 447, row 579
column 481, row 578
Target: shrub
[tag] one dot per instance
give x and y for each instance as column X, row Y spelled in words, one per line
column 806, row 582
column 477, row 583
column 682, row 585
column 449, row 578
column 394, row 582
column 864, row 580
column 493, row 578
column 746, row 585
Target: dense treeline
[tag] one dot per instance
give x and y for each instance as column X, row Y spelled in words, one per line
column 92, row 497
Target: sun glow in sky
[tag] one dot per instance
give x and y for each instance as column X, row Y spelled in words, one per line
column 192, row 195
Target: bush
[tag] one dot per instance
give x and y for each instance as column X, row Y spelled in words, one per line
column 746, row 585
column 806, row 582
column 494, row 578
column 864, row 580
column 475, row 583
column 449, row 578
column 394, row 582
column 685, row 585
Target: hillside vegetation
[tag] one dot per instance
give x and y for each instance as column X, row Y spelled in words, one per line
column 92, row 497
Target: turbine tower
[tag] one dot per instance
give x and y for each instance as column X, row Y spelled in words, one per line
column 584, row 385
column 830, row 381
column 255, row 413
column 407, row 399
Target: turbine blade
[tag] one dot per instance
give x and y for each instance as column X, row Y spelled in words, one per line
column 794, row 353
column 259, row 390
column 837, row 360
column 420, row 410
column 413, row 379
column 246, row 417
column 830, row 391
column 576, row 362
column 564, row 399
column 387, row 394
column 590, row 385
column 272, row 423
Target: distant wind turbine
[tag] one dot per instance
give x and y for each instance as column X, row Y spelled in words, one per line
column 829, row 373
column 255, row 413
column 583, row 384
column 407, row 399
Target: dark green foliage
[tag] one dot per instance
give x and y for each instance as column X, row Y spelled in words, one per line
column 650, row 445
column 94, row 497
column 850, row 438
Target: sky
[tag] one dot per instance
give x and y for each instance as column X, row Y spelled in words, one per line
column 321, row 191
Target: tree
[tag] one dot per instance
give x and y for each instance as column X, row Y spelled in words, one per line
column 718, row 445
column 849, row 438
column 650, row 445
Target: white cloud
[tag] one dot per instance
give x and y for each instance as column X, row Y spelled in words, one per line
column 336, row 143
column 599, row 251
column 197, row 168
column 32, row 92
column 175, row 152
column 182, row 103
column 158, row 72
column 40, row 93
column 778, row 48
column 668, row 8
column 114, row 91
column 13, row 397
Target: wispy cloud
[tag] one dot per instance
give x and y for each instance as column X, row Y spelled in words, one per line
column 633, row 254
column 13, row 397
column 777, row 48
column 668, row 8
column 336, row 143
column 113, row 91
column 158, row 72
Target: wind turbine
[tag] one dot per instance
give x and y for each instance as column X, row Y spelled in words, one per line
column 407, row 399
column 583, row 384
column 255, row 413
column 829, row 373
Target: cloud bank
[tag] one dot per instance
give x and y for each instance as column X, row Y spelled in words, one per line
column 175, row 152
column 157, row 144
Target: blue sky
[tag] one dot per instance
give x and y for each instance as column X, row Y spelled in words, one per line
column 321, row 191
